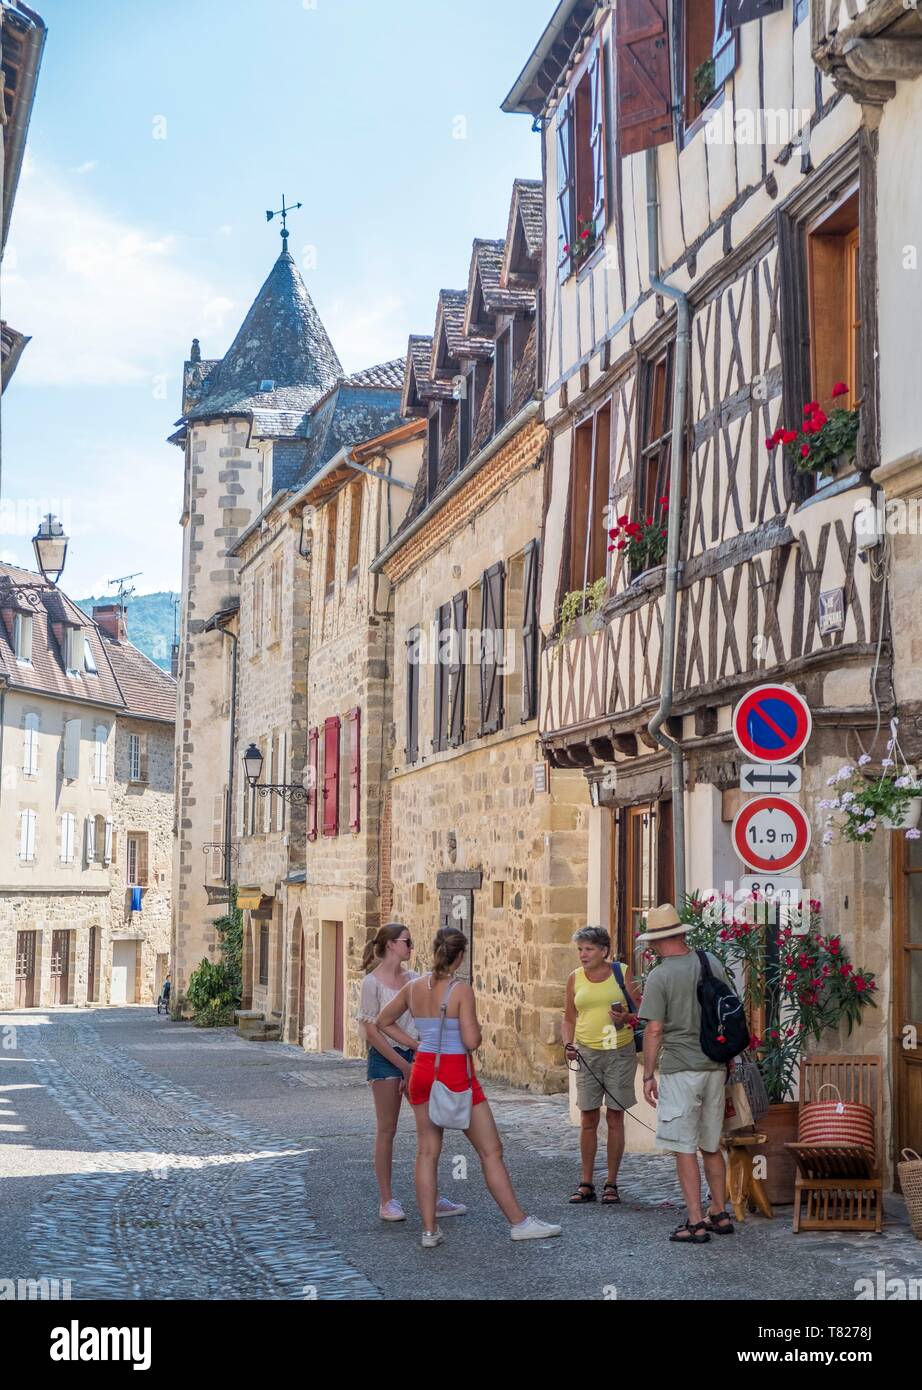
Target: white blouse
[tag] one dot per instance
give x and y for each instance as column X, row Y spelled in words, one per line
column 375, row 995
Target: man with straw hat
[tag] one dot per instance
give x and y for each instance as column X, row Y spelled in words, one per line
column 689, row 1095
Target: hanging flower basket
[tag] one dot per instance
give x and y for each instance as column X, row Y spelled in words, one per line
column 910, row 818
column 863, row 805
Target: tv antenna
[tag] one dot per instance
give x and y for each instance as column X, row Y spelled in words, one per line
column 124, row 590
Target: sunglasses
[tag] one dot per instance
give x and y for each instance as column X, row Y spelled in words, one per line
column 405, row 941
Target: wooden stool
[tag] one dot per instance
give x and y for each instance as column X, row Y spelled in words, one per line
column 746, row 1190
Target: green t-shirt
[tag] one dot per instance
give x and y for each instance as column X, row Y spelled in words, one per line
column 670, row 997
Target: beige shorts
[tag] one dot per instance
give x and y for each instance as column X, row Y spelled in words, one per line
column 690, row 1110
column 616, row 1068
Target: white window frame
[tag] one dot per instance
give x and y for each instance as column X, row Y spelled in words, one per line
column 72, row 740
column 134, row 757
column 68, row 831
column 73, row 637
column 31, row 727
column 27, row 837
column 131, row 851
column 89, row 660
column 100, row 755
column 22, row 637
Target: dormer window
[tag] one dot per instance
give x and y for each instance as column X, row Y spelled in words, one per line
column 22, row 637
column 502, row 380
column 89, row 660
column 266, row 386
column 432, row 454
column 74, row 650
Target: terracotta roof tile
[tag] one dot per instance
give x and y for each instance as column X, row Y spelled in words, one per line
column 149, row 692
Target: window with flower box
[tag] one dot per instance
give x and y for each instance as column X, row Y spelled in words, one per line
column 644, row 533
column 710, row 51
column 582, row 159
column 589, row 499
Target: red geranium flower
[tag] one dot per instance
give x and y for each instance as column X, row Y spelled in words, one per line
column 623, row 520
column 805, row 451
column 840, row 389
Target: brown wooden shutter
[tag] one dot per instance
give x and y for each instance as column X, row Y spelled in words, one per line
column 726, row 44
column 143, row 868
column 142, row 758
column 644, row 89
column 440, row 706
column 313, row 743
column 598, row 139
column 530, row 634
column 412, row 749
column 456, row 669
column 355, row 727
column 331, row 776
column 491, row 637
column 742, row 11
column 566, row 185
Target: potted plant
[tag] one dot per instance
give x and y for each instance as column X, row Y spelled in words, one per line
column 580, row 610
column 804, row 983
column 823, row 442
column 645, row 540
column 864, row 804
column 585, row 242
column 704, row 82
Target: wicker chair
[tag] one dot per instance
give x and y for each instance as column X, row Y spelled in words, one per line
column 839, row 1187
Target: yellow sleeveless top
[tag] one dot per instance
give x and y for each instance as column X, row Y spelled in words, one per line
column 594, row 1028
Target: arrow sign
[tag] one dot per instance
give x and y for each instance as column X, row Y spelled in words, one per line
column 771, row 834
column 756, row 777
column 772, row 724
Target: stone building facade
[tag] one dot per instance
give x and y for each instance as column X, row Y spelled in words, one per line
column 87, row 727
column 481, row 835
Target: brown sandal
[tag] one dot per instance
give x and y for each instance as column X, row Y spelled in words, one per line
column 610, row 1195
column 688, row 1234
column 720, row 1223
column 584, row 1193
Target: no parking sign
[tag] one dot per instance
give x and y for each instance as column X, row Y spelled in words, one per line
column 772, row 724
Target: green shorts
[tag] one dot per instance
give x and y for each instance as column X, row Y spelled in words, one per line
column 690, row 1110
column 616, row 1067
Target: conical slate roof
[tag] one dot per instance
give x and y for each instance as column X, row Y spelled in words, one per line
column 282, row 341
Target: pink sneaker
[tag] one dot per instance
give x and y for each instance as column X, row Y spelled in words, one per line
column 392, row 1211
column 445, row 1208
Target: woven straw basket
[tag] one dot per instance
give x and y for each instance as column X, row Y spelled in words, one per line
column 836, row 1121
column 910, row 1171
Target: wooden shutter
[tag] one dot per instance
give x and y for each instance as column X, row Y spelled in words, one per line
column 743, row 11
column 30, row 750
column 142, row 870
column 108, row 842
column 456, row 669
column 726, row 42
column 313, row 742
column 530, row 634
column 355, row 728
column 412, row 749
column 644, row 88
column 331, row 776
column 68, row 822
column 491, row 638
column 440, row 703
column 72, row 749
column 100, row 734
column 27, row 836
column 598, row 138
column 89, row 839
column 566, row 185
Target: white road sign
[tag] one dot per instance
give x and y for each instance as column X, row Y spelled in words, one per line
column 762, row 777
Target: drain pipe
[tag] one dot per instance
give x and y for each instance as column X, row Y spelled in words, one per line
column 673, row 562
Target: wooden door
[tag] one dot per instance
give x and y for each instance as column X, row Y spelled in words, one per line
column 25, row 970
column 60, row 967
column 339, row 989
column 644, row 877
column 124, row 970
column 302, row 979
column 906, row 1008
column 91, row 967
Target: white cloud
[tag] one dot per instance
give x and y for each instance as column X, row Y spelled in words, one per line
column 225, row 229
column 366, row 331
column 85, row 168
column 106, row 303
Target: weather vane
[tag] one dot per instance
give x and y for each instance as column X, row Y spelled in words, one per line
column 283, row 212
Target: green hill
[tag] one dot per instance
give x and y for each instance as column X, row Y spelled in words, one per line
column 150, row 623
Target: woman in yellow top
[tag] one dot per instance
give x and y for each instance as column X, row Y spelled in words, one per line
column 597, row 1028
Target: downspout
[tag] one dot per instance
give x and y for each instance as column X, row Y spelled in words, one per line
column 673, row 561
column 229, row 809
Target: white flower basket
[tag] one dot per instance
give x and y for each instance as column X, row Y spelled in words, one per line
column 910, row 819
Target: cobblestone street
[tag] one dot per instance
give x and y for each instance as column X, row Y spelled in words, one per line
column 146, row 1159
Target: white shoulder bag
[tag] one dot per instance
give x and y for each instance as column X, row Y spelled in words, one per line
column 450, row 1109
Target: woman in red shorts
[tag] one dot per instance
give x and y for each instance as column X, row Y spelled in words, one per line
column 461, row 1035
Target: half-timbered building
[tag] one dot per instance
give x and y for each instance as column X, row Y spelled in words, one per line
column 481, row 836
column 711, row 268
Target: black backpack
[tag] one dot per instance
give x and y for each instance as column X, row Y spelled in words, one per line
column 724, row 1029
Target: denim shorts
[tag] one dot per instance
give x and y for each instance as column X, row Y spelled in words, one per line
column 381, row 1069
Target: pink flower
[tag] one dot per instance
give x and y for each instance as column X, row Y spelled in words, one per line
column 840, row 389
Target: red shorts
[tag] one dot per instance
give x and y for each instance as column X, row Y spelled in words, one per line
column 452, row 1073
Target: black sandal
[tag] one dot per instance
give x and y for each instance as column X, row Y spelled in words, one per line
column 688, row 1234
column 584, row 1193
column 610, row 1195
column 720, row 1222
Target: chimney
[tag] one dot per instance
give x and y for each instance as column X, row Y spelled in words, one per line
column 174, row 661
column 113, row 619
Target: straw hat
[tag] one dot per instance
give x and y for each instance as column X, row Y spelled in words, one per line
column 663, row 921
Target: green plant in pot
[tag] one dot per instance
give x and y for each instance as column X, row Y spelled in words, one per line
column 822, row 442
column 863, row 804
column 581, row 603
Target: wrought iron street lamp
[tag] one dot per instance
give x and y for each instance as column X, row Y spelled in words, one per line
column 50, row 546
column 289, row 791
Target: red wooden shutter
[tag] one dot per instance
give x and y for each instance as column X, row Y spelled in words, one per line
column 742, row 11
column 644, row 86
column 456, row 669
column 313, row 742
column 331, row 776
column 355, row 726
column 491, row 637
column 598, row 140
column 442, row 651
column 566, row 185
column 530, row 635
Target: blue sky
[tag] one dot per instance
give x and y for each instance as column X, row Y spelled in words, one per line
column 161, row 133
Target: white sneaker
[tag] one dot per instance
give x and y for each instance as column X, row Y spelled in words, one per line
column 445, row 1208
column 392, row 1211
column 432, row 1238
column 533, row 1229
